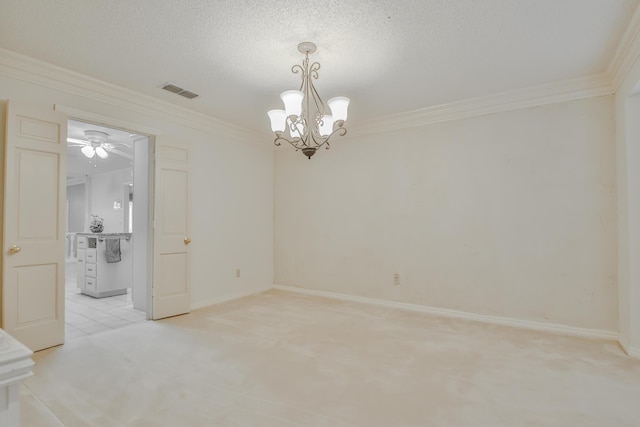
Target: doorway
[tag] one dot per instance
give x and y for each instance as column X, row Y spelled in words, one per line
column 106, row 241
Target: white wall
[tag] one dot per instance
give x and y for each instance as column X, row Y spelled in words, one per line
column 77, row 208
column 628, row 179
column 232, row 179
column 234, row 187
column 107, row 188
column 633, row 153
column 142, row 244
column 511, row 214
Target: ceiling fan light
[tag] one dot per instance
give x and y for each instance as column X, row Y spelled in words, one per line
column 102, row 153
column 278, row 120
column 88, row 151
column 292, row 102
column 339, row 106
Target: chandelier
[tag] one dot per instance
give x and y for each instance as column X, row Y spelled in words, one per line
column 304, row 123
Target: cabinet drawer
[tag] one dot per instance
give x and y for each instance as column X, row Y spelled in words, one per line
column 90, row 270
column 82, row 255
column 91, row 255
column 90, row 284
column 82, row 242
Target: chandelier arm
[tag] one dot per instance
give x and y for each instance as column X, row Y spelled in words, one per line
column 340, row 131
column 313, row 73
column 297, row 69
column 295, row 143
column 319, row 104
column 313, row 70
column 325, row 139
column 317, row 136
column 299, row 126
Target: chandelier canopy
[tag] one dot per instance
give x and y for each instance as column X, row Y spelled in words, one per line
column 304, row 123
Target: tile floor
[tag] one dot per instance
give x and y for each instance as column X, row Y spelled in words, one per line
column 86, row 315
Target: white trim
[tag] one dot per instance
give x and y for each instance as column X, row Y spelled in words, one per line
column 34, row 71
column 484, row 318
column 566, row 90
column 627, row 53
column 623, row 343
column 228, row 297
column 28, row 69
column 99, row 119
column 631, row 351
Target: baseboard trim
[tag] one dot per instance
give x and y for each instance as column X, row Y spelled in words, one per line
column 456, row 314
column 631, row 351
column 228, row 297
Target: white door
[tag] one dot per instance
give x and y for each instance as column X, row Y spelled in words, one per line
column 34, row 226
column 171, row 288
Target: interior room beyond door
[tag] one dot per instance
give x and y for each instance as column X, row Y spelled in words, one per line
column 100, row 238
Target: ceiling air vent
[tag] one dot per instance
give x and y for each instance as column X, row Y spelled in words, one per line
column 188, row 94
column 172, row 88
column 178, row 90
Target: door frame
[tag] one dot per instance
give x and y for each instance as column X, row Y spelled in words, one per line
column 83, row 116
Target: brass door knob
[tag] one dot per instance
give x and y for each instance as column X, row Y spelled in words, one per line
column 187, row 240
column 14, row 249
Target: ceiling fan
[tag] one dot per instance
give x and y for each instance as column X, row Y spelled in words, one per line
column 96, row 145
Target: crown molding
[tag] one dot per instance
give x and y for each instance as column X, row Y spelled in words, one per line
column 607, row 83
column 566, row 90
column 34, row 71
column 627, row 53
column 25, row 68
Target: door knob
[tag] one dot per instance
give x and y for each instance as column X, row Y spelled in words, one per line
column 14, row 249
column 187, row 240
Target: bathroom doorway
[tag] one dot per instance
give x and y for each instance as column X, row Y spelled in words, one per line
column 107, row 230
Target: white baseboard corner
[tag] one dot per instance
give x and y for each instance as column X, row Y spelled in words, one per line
column 456, row 314
column 228, row 297
column 631, row 351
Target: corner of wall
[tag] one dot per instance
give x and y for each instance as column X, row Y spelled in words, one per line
column 3, row 120
column 629, row 350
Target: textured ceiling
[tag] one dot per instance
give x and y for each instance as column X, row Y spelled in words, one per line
column 388, row 56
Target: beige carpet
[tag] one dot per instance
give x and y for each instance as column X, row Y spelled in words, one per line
column 286, row 359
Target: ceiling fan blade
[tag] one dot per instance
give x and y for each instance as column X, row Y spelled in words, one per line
column 122, row 153
column 77, row 141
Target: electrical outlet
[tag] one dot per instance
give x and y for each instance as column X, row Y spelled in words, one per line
column 396, row 279
column 237, row 273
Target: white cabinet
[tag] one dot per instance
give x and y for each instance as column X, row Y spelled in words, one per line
column 97, row 277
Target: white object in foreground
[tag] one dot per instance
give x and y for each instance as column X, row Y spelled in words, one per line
column 15, row 365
